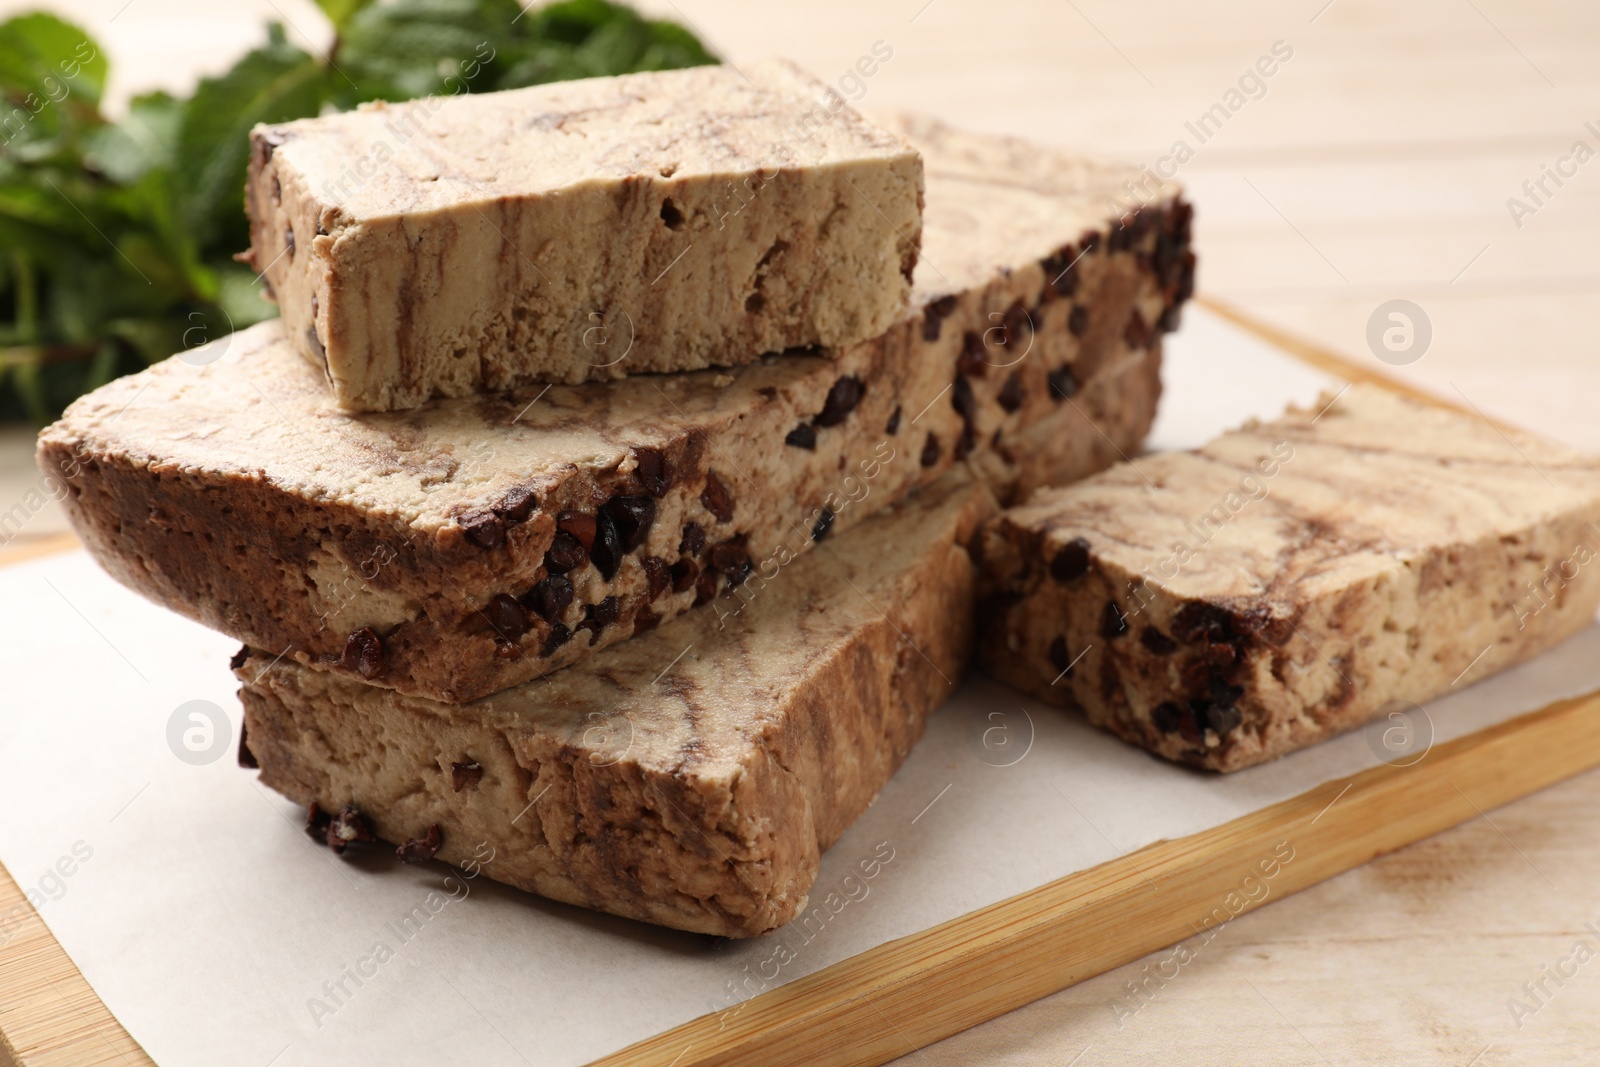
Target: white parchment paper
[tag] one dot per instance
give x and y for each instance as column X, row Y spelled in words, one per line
column 218, row 933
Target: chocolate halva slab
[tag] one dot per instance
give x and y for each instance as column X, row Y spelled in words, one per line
column 581, row 231
column 1291, row 579
column 690, row 777
column 479, row 542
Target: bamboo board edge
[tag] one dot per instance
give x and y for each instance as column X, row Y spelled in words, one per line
column 893, row 999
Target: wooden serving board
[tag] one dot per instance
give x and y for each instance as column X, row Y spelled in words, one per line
column 899, row 996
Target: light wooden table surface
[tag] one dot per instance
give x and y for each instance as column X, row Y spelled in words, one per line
column 1375, row 164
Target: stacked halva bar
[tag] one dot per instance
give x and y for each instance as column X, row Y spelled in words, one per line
column 605, row 493
column 1291, row 579
column 622, row 487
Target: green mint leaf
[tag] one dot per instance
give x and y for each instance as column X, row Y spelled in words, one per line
column 672, row 47
column 51, row 77
column 573, row 21
column 44, row 54
column 146, row 139
column 340, row 12
column 411, row 48
column 274, row 83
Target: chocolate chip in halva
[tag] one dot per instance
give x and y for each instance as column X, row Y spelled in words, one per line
column 1190, row 727
column 1059, row 657
column 1195, row 675
column 363, row 653
column 347, row 828
column 516, row 505
column 1166, row 716
column 1010, row 395
column 731, row 559
column 1063, row 383
column 1078, row 320
column 694, row 539
column 657, row 575
column 607, row 552
column 973, row 355
column 1059, row 276
column 963, row 399
column 1185, row 286
column 1017, row 328
column 1224, row 720
column 1113, row 623
column 716, row 498
column 823, row 525
column 558, row 636
column 465, row 775
column 652, row 471
column 684, row 573
column 633, row 516
column 842, row 400
column 1071, row 562
column 421, row 849
column 550, row 597
column 1157, row 642
column 484, row 529
column 507, row 616
column 1220, row 655
column 566, row 554
column 1121, row 239
column 930, row 451
column 892, row 427
column 317, row 821
column 802, row 436
column 247, row 759
column 705, row 586
column 579, row 525
column 597, row 617
column 1198, row 622
column 933, row 316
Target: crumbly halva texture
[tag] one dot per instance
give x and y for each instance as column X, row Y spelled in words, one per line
column 479, row 542
column 691, row 777
column 1290, row 579
column 581, row 231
